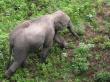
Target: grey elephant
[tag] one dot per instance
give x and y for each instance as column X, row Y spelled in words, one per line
column 33, row 34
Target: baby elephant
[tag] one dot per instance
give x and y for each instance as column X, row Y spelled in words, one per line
column 37, row 33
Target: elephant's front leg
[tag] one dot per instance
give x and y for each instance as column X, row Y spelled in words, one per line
column 60, row 40
column 43, row 55
column 44, row 52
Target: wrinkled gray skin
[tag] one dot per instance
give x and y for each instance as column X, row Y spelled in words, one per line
column 33, row 34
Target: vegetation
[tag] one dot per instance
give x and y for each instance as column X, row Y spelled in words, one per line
column 102, row 76
column 82, row 62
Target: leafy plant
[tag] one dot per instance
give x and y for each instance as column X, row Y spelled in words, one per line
column 102, row 76
column 80, row 63
column 99, row 39
column 106, row 45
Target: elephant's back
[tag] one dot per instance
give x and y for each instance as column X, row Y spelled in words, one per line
column 34, row 35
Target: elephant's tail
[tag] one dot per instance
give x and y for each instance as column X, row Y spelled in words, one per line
column 10, row 51
column 10, row 55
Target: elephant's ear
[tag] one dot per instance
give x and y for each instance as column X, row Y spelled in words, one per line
column 60, row 20
column 58, row 23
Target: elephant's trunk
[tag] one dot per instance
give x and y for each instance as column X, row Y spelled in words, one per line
column 70, row 28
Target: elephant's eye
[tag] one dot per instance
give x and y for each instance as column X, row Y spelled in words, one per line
column 62, row 24
column 68, row 24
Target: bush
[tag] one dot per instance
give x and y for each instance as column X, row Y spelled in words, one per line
column 102, row 76
column 106, row 45
column 80, row 63
column 99, row 39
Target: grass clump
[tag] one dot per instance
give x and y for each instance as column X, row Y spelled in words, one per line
column 80, row 62
column 102, row 76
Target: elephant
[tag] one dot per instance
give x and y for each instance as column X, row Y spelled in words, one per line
column 37, row 33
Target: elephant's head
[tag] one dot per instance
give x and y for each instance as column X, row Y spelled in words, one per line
column 62, row 20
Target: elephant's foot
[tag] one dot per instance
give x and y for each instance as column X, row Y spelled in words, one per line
column 8, row 74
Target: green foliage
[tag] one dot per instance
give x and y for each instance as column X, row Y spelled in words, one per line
column 71, row 45
column 3, row 43
column 106, row 45
column 99, row 39
column 80, row 12
column 77, row 80
column 80, row 62
column 102, row 76
column 107, row 24
column 3, row 50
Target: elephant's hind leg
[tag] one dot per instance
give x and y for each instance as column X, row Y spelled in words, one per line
column 19, row 58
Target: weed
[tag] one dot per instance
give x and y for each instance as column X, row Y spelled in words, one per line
column 102, row 76
column 80, row 63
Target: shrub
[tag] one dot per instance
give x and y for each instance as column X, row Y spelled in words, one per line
column 106, row 45
column 99, row 39
column 80, row 63
column 107, row 26
column 102, row 76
